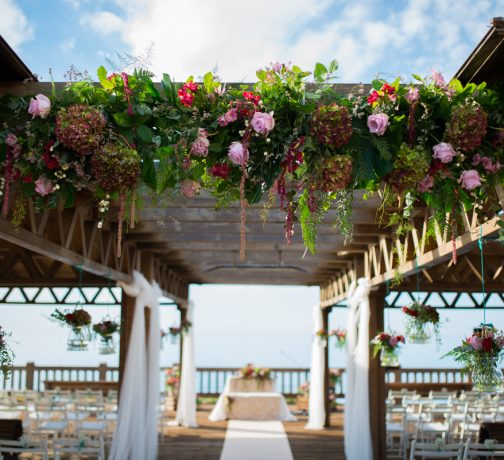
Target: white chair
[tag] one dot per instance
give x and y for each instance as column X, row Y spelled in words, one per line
column 435, row 421
column 436, row 450
column 488, row 450
column 50, row 419
column 79, row 447
column 24, row 446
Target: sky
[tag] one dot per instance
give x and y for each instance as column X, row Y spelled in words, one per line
column 367, row 37
column 270, row 326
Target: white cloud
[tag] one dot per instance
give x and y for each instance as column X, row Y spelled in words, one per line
column 14, row 26
column 103, row 22
column 365, row 36
column 67, row 45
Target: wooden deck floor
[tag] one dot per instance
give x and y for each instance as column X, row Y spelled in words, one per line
column 205, row 442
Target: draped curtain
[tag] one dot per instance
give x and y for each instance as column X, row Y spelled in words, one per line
column 186, row 407
column 358, row 444
column 316, row 404
column 135, row 436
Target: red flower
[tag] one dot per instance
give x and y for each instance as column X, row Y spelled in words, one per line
column 191, row 86
column 254, row 98
column 373, row 97
column 185, row 98
column 410, row 312
column 400, row 338
column 221, row 170
column 487, row 344
column 387, row 89
column 69, row 317
column 27, row 179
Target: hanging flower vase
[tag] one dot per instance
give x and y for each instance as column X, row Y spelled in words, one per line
column 486, row 375
column 419, row 333
column 77, row 340
column 107, row 345
column 389, row 358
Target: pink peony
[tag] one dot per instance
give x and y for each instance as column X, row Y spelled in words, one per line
column 230, row 116
column 43, row 186
column 470, row 179
column 200, row 145
column 377, row 123
column 444, row 152
column 475, row 342
column 11, row 140
column 412, row 95
column 426, row 184
column 238, row 154
column 40, row 106
column 393, row 341
column 263, row 123
column 189, row 188
column 476, row 159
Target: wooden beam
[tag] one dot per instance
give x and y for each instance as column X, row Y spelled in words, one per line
column 327, row 377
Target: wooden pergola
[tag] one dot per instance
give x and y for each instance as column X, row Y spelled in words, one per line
column 178, row 243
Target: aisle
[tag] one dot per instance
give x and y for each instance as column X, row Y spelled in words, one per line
column 247, row 439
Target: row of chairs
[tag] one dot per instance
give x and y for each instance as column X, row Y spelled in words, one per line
column 441, row 415
column 61, row 448
column 456, row 451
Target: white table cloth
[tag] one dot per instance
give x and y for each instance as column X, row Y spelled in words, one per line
column 256, row 405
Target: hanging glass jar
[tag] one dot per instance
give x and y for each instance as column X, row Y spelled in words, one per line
column 418, row 332
column 107, row 345
column 389, row 357
column 78, row 339
column 486, row 374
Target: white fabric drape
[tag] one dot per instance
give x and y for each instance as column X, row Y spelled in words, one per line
column 316, row 404
column 186, row 406
column 135, row 436
column 358, row 444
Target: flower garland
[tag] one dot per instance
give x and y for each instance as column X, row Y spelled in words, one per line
column 252, row 372
column 427, row 143
column 6, row 354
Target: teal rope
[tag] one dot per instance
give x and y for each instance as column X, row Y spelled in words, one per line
column 480, row 245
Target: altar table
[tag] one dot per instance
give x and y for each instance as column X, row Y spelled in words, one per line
column 257, row 402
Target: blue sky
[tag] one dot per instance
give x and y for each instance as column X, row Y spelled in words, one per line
column 366, row 36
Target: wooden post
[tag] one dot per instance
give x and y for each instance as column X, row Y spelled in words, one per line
column 127, row 312
column 183, row 317
column 30, row 375
column 102, row 372
column 327, row 383
column 377, row 388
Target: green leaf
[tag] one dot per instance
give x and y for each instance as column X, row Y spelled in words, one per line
column 169, row 89
column 320, row 72
column 208, row 80
column 198, row 171
column 123, row 119
column 377, row 84
column 333, row 66
column 102, row 76
column 417, row 77
column 144, row 133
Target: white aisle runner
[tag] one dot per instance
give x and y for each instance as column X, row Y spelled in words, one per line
column 252, row 440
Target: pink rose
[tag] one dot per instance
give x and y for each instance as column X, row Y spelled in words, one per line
column 230, row 116
column 476, row 159
column 426, row 184
column 444, row 152
column 40, row 106
column 200, row 145
column 377, row 123
column 393, row 341
column 11, row 140
column 43, row 186
column 263, row 123
column 470, row 179
column 238, row 154
column 475, row 342
column 412, row 95
column 189, row 188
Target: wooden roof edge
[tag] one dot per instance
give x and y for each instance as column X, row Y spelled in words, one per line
column 483, row 51
column 14, row 62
